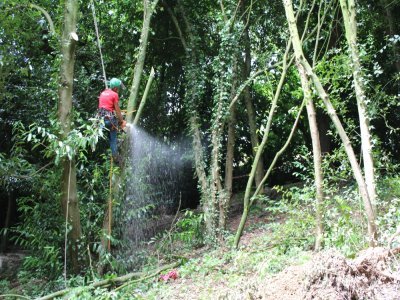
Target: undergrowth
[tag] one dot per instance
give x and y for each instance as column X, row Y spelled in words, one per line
column 285, row 236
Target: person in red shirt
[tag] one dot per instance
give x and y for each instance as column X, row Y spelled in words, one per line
column 109, row 110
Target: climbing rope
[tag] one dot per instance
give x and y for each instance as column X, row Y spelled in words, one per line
column 66, row 225
column 98, row 43
column 110, row 206
column 111, row 162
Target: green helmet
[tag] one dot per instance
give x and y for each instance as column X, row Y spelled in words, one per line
column 116, row 83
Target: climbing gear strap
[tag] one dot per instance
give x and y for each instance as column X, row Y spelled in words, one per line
column 102, row 112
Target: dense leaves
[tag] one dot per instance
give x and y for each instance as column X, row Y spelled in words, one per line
column 198, row 50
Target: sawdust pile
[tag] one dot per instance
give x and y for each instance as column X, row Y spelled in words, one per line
column 374, row 274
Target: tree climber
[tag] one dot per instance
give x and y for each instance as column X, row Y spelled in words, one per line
column 109, row 110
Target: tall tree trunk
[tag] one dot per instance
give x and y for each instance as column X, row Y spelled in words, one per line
column 216, row 187
column 7, row 222
column 225, row 198
column 297, row 46
column 251, row 115
column 247, row 202
column 194, row 91
column 392, row 31
column 149, row 7
column 350, row 24
column 317, row 157
column 68, row 180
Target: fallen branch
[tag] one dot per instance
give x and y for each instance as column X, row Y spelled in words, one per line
column 146, row 277
column 115, row 281
column 5, row 296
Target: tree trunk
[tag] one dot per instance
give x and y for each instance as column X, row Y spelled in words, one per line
column 225, row 199
column 317, row 157
column 269, row 171
column 392, row 31
column 215, row 169
column 144, row 36
column 68, row 180
column 247, row 201
column 251, row 115
column 297, row 46
column 7, row 222
column 349, row 18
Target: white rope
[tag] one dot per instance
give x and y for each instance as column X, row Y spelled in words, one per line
column 66, row 227
column 98, row 43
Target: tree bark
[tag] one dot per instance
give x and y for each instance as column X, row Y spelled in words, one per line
column 317, row 157
column 68, row 180
column 149, row 7
column 392, row 31
column 7, row 222
column 350, row 24
column 225, row 198
column 251, row 115
column 297, row 46
column 247, row 201
column 269, row 171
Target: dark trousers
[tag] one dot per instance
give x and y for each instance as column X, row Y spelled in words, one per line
column 112, row 125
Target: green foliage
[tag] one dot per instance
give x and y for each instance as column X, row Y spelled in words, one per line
column 296, row 231
column 345, row 222
column 41, row 232
column 186, row 233
column 388, row 209
column 189, row 229
column 4, row 286
column 85, row 136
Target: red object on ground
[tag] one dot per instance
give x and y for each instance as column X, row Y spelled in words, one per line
column 170, row 275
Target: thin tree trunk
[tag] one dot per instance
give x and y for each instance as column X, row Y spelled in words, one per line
column 349, row 17
column 247, row 201
column 193, row 93
column 392, row 31
column 297, row 46
column 317, row 157
column 215, row 169
column 7, row 222
column 269, row 171
column 251, row 115
column 68, row 179
column 224, row 200
column 149, row 7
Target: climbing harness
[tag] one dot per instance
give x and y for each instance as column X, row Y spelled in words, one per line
column 103, row 113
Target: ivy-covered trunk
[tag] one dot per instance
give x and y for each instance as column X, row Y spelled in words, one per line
column 69, row 197
column 214, row 189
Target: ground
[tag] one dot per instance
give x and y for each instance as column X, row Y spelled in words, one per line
column 268, row 266
column 249, row 273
